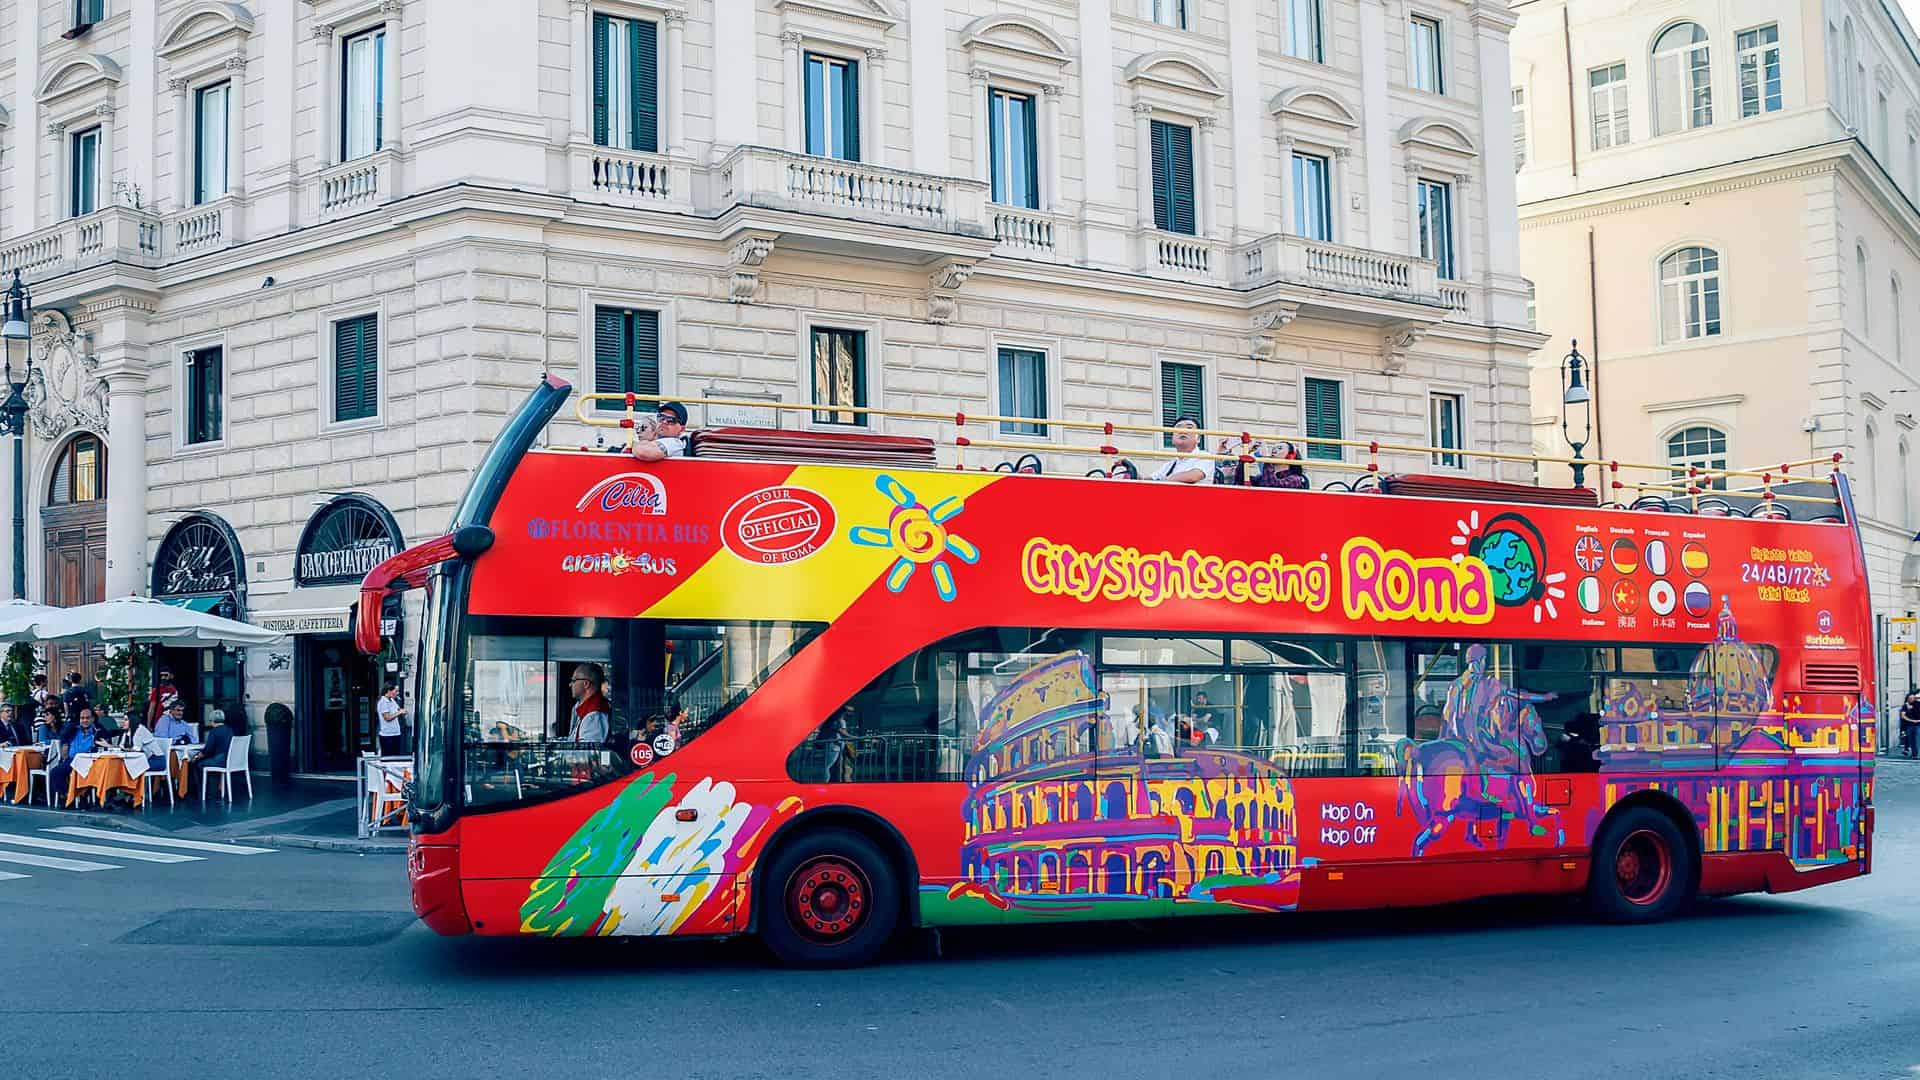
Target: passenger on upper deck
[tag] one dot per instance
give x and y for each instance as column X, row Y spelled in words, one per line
column 592, row 716
column 1186, row 468
column 670, row 434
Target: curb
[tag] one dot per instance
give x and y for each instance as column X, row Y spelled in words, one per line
column 94, row 818
column 327, row 843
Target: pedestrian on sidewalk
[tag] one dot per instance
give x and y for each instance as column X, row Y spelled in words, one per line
column 1910, row 724
column 392, row 739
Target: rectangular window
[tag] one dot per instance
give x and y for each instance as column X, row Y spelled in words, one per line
column 1445, row 421
column 1607, row 102
column 626, row 84
column 1181, row 387
column 833, row 107
column 203, row 389
column 1436, row 226
column 1759, row 51
column 1424, row 68
column 1533, row 306
column 83, row 157
column 1172, row 152
column 356, row 368
column 1014, row 149
column 840, row 375
column 210, row 143
column 1312, row 201
column 1519, row 128
column 363, row 98
column 1303, row 31
column 1323, row 419
column 1023, row 390
column 1170, row 13
column 626, row 353
column 88, row 12
column 1880, row 123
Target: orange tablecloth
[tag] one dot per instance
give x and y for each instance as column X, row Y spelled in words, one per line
column 107, row 773
column 24, row 762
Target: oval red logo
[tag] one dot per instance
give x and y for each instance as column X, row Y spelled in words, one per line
column 777, row 525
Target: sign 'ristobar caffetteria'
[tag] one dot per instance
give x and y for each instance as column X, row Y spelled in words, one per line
column 347, row 537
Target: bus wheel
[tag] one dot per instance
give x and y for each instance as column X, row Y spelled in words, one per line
column 1643, row 869
column 832, row 900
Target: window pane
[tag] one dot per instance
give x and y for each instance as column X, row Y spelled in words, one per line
column 1311, row 214
column 838, row 375
column 362, row 101
column 1436, row 226
column 210, row 143
column 1423, row 50
column 619, row 83
column 1444, row 427
column 1023, row 374
column 1162, row 652
column 1303, row 30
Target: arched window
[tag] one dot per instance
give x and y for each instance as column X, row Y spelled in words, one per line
column 1698, row 447
column 1905, row 479
column 1690, row 294
column 1860, row 283
column 79, row 472
column 1865, row 472
column 1898, row 327
column 1682, row 80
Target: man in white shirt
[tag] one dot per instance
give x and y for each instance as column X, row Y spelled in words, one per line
column 1186, row 469
column 388, row 710
column 670, row 434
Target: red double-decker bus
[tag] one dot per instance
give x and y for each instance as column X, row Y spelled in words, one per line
column 822, row 703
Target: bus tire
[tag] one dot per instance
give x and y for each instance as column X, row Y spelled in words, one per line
column 831, row 900
column 1643, row 868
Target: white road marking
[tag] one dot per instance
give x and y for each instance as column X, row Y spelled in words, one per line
column 4, row 876
column 94, row 849
column 159, row 841
column 51, row 863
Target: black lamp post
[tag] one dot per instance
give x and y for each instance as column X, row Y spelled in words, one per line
column 17, row 337
column 1576, row 407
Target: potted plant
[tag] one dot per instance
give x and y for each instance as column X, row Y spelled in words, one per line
column 124, row 678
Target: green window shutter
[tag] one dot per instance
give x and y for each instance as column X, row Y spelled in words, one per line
column 600, row 32
column 1180, row 172
column 1323, row 418
column 610, row 352
column 1162, row 182
column 851, row 111
column 1180, row 395
column 356, row 352
column 643, row 332
column 643, row 38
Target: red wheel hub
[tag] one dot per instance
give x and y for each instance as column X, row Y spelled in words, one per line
column 827, row 898
column 1643, row 867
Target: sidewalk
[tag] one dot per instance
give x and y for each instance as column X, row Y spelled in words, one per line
column 315, row 814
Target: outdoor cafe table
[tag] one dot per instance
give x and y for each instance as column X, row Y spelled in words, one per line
column 16, row 765
column 106, row 771
column 177, row 757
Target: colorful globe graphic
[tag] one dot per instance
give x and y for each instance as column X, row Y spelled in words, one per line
column 1515, row 571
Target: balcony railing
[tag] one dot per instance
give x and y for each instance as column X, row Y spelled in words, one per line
column 115, row 234
column 200, row 229
column 353, row 186
column 760, row 176
column 1190, row 258
column 1024, row 231
column 1321, row 264
column 630, row 177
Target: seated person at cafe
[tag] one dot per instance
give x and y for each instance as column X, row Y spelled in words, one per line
column 212, row 752
column 14, row 729
column 592, row 716
column 171, row 729
column 1186, row 467
column 669, row 434
column 79, row 737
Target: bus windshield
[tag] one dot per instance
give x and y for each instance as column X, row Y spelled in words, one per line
column 553, row 705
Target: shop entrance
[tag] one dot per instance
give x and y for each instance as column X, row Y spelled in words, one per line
column 206, row 678
column 338, row 689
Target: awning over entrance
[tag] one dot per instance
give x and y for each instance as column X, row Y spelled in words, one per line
column 324, row 610
column 203, row 604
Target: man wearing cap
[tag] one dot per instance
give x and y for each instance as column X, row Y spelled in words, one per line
column 670, row 434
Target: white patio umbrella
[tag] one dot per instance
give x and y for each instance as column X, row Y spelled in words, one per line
column 141, row 620
column 17, row 618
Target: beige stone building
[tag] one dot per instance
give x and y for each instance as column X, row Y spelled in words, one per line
column 1718, row 200
column 293, row 260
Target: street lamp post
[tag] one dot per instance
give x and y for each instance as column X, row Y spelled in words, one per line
column 1576, row 404
column 17, row 337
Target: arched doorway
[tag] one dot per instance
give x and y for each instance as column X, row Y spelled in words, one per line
column 73, row 520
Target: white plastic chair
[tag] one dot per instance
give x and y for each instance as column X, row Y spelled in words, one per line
column 164, row 774
column 43, row 774
column 236, row 765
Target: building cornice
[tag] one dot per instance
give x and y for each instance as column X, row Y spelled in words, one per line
column 1720, row 401
column 1662, row 191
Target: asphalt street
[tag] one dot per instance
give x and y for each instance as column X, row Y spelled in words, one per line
column 306, row 963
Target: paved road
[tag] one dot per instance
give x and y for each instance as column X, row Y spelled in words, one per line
column 311, row 959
